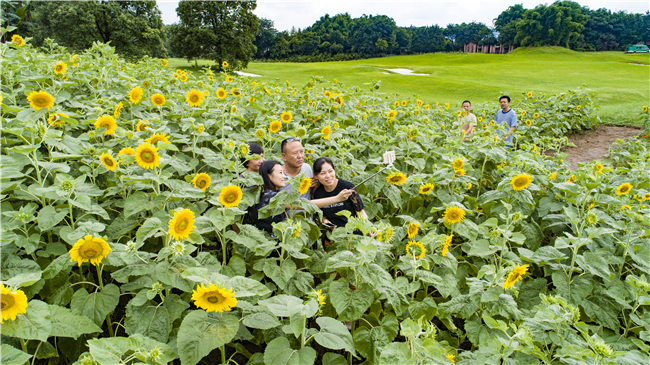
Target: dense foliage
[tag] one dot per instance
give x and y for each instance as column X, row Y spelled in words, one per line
column 122, row 241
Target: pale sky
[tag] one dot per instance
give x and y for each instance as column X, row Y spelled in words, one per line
column 301, row 14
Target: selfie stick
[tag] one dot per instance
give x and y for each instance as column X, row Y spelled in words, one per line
column 389, row 158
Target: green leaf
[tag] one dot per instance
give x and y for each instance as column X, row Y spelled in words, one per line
column 280, row 274
column 334, row 359
column 35, row 324
column 533, row 233
column 108, row 351
column 48, row 217
column 201, row 333
column 148, row 229
column 445, row 285
column 396, row 353
column 96, row 305
column 350, row 304
column 12, row 356
column 66, row 324
column 334, row 335
column 279, row 352
column 144, row 345
column 282, row 305
column 260, row 317
column 136, row 203
column 151, row 320
column 247, row 287
column 426, row 308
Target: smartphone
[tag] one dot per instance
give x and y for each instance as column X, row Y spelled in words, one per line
column 329, row 225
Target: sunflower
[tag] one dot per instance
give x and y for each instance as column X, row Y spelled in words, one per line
column 646, row 196
column 599, row 167
column 126, row 151
column 339, row 99
column 229, row 79
column 194, row 97
column 529, row 122
column 327, row 131
column 202, row 181
column 275, row 126
column 17, row 40
column 286, row 117
column 321, row 297
column 327, row 93
column 446, row 245
column 108, row 161
column 233, row 109
column 426, row 189
column 158, row 99
column 397, row 103
column 183, row 77
column 107, row 122
column 224, row 64
column 55, row 119
column 578, row 107
column 153, row 140
column 135, row 95
column 530, row 94
column 89, row 249
column 426, row 107
column 414, row 228
column 625, row 207
column 145, row 84
column 221, row 93
column 142, row 126
column 14, row 303
column 304, row 185
column 520, row 182
column 118, row 110
column 458, row 164
column 419, row 102
column 230, row 196
column 409, row 249
column 392, row 114
column 572, row 179
column 553, row 176
column 404, row 102
column 214, row 298
column 514, row 276
column 182, row 224
column 60, row 68
column 454, row 214
column 623, row 189
column 164, row 62
column 147, row 156
column 459, row 172
column 259, row 134
column 396, row 179
column 235, row 92
column 645, row 108
column 459, row 112
column 536, row 115
column 41, row 99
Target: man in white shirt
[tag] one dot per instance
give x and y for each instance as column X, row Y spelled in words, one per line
column 293, row 155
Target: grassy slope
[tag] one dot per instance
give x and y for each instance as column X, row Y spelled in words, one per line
column 621, row 88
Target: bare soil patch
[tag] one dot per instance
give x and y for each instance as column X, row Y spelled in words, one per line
column 592, row 145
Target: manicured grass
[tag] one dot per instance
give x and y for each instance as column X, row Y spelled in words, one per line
column 621, row 88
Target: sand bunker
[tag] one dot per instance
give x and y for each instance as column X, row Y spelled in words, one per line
column 404, row 71
column 638, row 64
column 240, row 73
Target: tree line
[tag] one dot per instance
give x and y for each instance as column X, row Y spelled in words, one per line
column 229, row 31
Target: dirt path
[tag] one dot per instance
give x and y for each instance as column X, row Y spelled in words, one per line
column 592, row 145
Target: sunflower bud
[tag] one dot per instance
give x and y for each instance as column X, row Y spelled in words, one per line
column 601, row 348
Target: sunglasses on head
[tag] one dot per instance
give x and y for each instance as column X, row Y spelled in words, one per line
column 295, row 139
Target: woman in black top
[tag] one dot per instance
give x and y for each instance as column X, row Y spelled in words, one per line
column 331, row 186
column 274, row 178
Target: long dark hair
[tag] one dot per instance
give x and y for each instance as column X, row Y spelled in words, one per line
column 265, row 170
column 318, row 164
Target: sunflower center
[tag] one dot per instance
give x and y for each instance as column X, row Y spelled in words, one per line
column 7, row 302
column 214, row 297
column 181, row 225
column 90, row 250
column 231, row 197
column 108, row 162
column 201, row 183
column 147, row 156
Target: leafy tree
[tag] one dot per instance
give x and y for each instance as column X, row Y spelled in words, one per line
column 368, row 30
column 427, row 39
column 560, row 24
column 134, row 28
column 460, row 34
column 506, row 24
column 265, row 38
column 216, row 30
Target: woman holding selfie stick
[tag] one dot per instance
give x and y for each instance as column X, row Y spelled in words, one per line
column 272, row 173
column 331, row 186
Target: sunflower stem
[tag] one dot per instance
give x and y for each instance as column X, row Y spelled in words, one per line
column 23, row 345
column 71, row 215
column 223, row 354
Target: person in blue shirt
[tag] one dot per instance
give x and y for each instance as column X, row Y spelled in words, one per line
column 507, row 117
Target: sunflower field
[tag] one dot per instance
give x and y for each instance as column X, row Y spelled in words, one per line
column 122, row 240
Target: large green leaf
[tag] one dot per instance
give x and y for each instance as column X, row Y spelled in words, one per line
column 279, row 352
column 35, row 324
column 334, row 335
column 350, row 304
column 12, row 356
column 151, row 320
column 96, row 305
column 66, row 324
column 201, row 333
column 108, row 351
column 260, row 317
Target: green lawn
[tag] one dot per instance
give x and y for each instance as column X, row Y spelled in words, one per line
column 622, row 88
